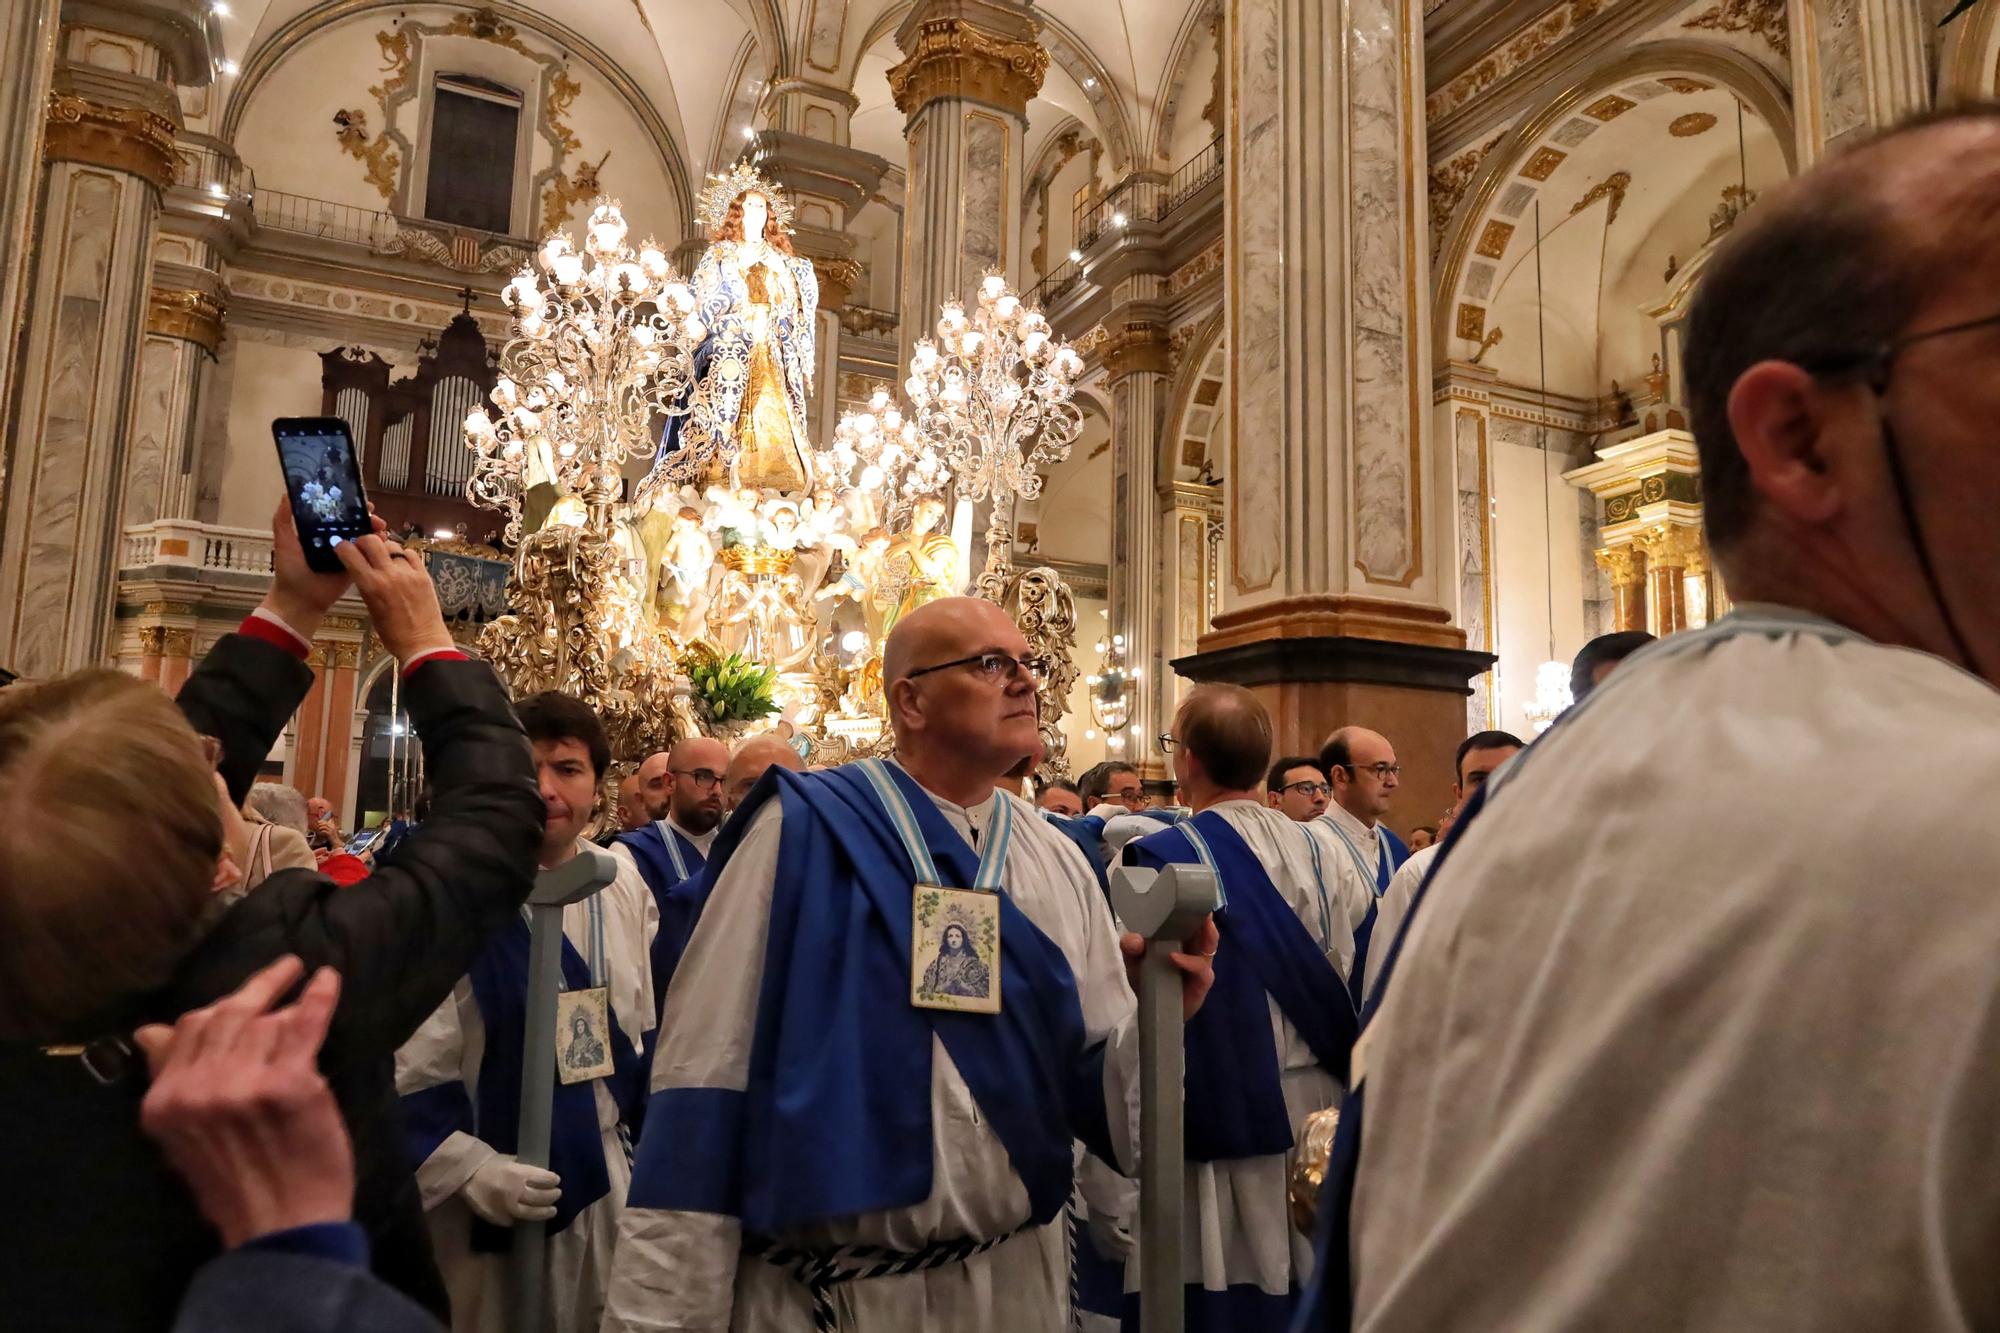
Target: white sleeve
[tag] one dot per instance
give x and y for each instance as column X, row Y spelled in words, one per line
column 631, row 913
column 677, row 1270
column 1389, row 916
column 1110, row 1015
column 446, row 1049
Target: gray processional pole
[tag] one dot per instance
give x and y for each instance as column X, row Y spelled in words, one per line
column 1165, row 906
column 573, row 881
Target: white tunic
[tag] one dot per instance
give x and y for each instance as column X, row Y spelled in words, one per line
column 1238, row 1220
column 1394, row 906
column 684, row 1270
column 1351, row 871
column 1696, row 1028
column 450, row 1047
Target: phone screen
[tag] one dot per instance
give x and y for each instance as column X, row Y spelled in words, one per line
column 323, row 481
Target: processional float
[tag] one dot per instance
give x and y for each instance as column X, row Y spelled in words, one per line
column 747, row 580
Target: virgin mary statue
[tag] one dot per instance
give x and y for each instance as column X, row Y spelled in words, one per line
column 745, row 424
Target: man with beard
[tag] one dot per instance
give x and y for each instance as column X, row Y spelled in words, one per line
column 682, row 788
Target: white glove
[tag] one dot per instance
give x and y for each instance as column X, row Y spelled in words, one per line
column 505, row 1190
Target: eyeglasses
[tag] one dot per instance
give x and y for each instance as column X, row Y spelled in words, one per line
column 1308, row 788
column 211, row 750
column 992, row 667
column 1880, row 358
column 1168, row 742
column 703, row 778
column 1382, row 772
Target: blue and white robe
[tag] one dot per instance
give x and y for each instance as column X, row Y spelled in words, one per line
column 1246, row 1263
column 438, row 1078
column 670, row 860
column 682, row 1266
column 1372, row 854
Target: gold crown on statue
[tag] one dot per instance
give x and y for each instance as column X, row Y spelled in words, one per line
column 725, row 186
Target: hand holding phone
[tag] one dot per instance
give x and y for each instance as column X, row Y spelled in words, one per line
column 323, row 486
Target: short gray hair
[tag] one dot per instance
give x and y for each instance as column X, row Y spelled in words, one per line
column 280, row 805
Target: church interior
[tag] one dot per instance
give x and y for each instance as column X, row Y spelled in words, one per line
column 1376, row 404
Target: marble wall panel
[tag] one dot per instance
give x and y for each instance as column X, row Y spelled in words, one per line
column 982, row 203
column 1515, row 198
column 1383, row 476
column 829, row 18
column 1257, row 312
column 1843, row 79
column 153, row 429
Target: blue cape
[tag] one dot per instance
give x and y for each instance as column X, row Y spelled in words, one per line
column 1399, row 852
column 576, row 1150
column 836, row 1115
column 678, row 899
column 1235, row 1104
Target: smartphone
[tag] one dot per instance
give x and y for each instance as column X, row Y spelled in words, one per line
column 323, row 482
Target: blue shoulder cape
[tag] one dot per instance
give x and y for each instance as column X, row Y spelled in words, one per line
column 1235, row 1104
column 836, row 1115
column 679, row 899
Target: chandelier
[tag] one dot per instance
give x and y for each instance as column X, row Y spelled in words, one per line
column 1552, row 696
column 883, row 454
column 1111, row 691
column 602, row 348
column 992, row 394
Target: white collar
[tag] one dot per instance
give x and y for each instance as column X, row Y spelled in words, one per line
column 972, row 817
column 1351, row 824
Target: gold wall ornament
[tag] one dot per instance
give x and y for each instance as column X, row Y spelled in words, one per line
column 1612, row 187
column 1542, row 163
column 1685, row 86
column 176, row 641
column 378, row 155
column 167, row 609
column 952, row 58
column 1557, row 25
column 1609, row 107
column 565, row 192
column 152, row 640
column 186, row 313
column 1493, row 239
column 1471, row 323
column 1757, row 18
column 563, row 92
column 1448, row 183
column 837, row 280
column 130, row 139
column 1138, row 348
column 1693, row 123
column 1492, row 340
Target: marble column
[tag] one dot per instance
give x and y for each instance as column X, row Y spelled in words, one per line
column 28, row 53
column 970, row 69
column 1668, row 551
column 1627, row 568
column 1339, row 511
column 1138, row 361
column 109, row 145
column 324, row 727
column 1188, row 528
column 1856, row 65
column 1463, row 396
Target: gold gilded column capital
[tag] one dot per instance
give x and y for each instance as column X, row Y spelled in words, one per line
column 1622, row 563
column 836, row 280
column 1138, row 348
column 121, row 138
column 1671, row 546
column 952, row 58
column 186, row 313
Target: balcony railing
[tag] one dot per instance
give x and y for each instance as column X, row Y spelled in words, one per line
column 460, row 249
column 280, row 211
column 220, row 174
column 185, row 542
column 1055, row 282
column 1147, row 198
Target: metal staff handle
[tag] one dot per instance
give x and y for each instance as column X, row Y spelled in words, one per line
column 573, row 881
column 1165, row 906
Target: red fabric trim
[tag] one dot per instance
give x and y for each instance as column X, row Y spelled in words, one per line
column 257, row 627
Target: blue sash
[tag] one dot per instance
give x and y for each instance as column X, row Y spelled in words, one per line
column 1389, row 853
column 576, row 1149
column 836, row 1115
column 1087, row 832
column 1235, row 1103
column 670, row 865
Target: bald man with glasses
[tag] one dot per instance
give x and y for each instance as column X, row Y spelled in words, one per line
column 902, row 1005
column 682, row 791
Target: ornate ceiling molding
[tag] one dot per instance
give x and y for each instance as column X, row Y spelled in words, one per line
column 259, row 63
column 129, row 139
column 952, row 58
column 186, row 313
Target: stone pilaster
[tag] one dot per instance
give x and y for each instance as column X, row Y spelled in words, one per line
column 1856, row 65
column 1190, row 548
column 1138, row 363
column 28, row 31
column 109, row 147
column 1463, row 416
column 971, row 68
column 1339, row 530
column 1626, row 567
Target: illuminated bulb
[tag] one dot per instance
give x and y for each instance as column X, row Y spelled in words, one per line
column 1007, row 305
column 1089, row 735
column 505, row 393
column 749, row 133
column 852, row 641
column 1076, row 256
column 654, row 261
column 1090, row 83
column 229, row 68
column 915, row 387
column 1034, row 344
column 1118, row 639
column 991, row 286
column 968, row 345
column 442, row 535
column 219, row 9
column 1116, row 740
column 878, row 401
column 871, row 478
column 478, row 423
column 630, row 280
column 218, row 189
column 568, row 269
column 567, row 450
column 513, row 450
column 1117, row 219
column 553, row 249
column 643, row 335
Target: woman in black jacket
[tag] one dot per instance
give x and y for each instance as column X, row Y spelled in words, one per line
column 106, row 1237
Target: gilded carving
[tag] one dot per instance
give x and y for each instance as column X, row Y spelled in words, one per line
column 1493, row 240
column 1542, row 163
column 1449, row 181
column 1685, row 86
column 1758, row 18
column 167, row 609
column 1670, row 546
column 1541, row 35
column 1471, row 321
column 1609, row 107
column 185, row 313
column 176, row 642
column 954, row 59
column 341, row 653
column 1138, row 347
column 562, row 95
column 152, row 640
column 1693, row 123
column 350, row 127
column 1203, row 264
column 1488, row 343
column 122, row 138
column 567, row 191
column 1622, row 564
column 837, row 280
column 1612, row 187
